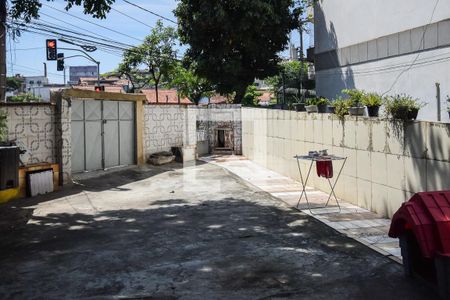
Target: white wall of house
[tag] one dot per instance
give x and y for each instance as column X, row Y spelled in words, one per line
column 415, row 59
column 419, row 81
column 355, row 21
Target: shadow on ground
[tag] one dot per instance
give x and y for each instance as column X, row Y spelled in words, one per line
column 238, row 244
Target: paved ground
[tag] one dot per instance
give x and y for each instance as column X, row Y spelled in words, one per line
column 193, row 233
column 358, row 223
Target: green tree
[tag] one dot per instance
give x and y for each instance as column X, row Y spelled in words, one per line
column 289, row 71
column 155, row 59
column 29, row 9
column 191, row 85
column 251, row 96
column 233, row 42
column 13, row 83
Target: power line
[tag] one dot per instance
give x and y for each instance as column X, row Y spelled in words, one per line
column 133, row 18
column 93, row 23
column 36, row 70
column 149, row 11
column 418, row 54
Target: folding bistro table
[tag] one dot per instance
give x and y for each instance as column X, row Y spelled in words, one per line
column 324, row 169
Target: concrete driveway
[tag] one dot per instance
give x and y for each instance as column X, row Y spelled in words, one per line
column 192, row 233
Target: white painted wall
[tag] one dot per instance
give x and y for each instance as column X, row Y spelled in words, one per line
column 418, row 81
column 345, row 23
column 356, row 21
column 387, row 163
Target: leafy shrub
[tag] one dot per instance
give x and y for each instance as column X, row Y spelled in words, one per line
column 24, row 98
column 3, row 126
column 251, row 96
column 317, row 101
column 402, row 106
column 355, row 96
column 341, row 107
column 372, row 99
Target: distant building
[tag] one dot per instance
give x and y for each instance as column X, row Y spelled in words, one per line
column 77, row 72
column 32, row 82
column 261, row 85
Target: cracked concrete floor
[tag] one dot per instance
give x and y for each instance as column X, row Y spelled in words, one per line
column 192, row 233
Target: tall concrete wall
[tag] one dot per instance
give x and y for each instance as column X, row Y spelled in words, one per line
column 387, row 162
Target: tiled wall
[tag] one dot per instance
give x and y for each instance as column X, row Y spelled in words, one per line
column 387, row 161
column 33, row 127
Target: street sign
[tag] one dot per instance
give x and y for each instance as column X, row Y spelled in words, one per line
column 52, row 51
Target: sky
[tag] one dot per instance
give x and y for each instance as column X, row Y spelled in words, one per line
column 26, row 54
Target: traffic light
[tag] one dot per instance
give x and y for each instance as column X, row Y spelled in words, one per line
column 60, row 62
column 52, row 51
column 99, row 88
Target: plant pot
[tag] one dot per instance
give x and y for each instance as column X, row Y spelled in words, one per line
column 373, row 111
column 311, row 108
column 299, row 106
column 331, row 109
column 322, row 108
column 401, row 113
column 412, row 113
column 356, row 111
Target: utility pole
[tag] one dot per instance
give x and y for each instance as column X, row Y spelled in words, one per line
column 3, row 31
column 300, row 30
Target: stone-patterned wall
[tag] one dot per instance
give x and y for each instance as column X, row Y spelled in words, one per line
column 33, row 128
column 164, row 127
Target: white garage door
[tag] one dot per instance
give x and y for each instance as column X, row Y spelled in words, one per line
column 103, row 134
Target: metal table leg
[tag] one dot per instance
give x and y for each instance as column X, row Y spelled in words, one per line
column 332, row 186
column 304, row 182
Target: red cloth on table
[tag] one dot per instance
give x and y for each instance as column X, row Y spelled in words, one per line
column 324, row 168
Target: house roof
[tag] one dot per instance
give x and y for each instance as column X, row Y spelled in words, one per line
column 218, row 99
column 265, row 97
column 164, row 97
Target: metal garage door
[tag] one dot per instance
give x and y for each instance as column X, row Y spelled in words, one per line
column 103, row 134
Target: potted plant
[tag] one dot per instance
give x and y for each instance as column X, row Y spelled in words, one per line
column 373, row 101
column 311, row 105
column 402, row 107
column 341, row 107
column 332, row 107
column 322, row 104
column 356, row 107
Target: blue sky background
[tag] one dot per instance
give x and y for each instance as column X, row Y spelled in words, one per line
column 26, row 54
